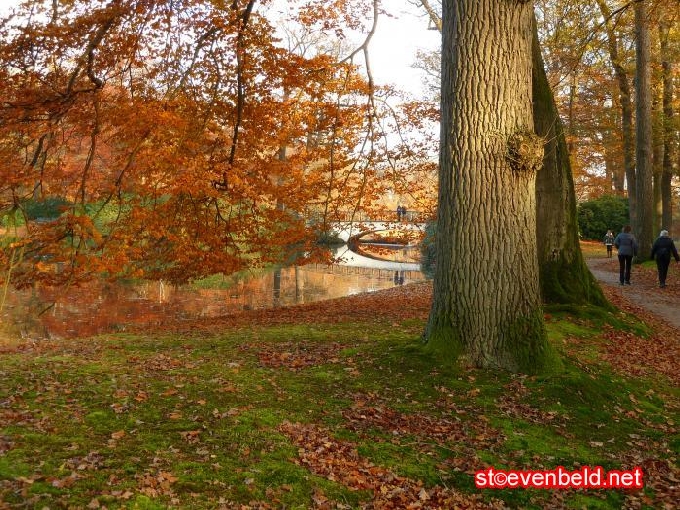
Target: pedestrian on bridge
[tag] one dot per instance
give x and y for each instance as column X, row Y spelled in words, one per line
column 399, row 212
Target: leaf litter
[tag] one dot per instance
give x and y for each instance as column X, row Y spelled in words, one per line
column 453, row 422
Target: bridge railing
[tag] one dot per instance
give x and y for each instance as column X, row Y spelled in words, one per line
column 382, row 216
column 387, row 274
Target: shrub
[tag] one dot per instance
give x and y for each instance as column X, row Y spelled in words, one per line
column 48, row 208
column 596, row 216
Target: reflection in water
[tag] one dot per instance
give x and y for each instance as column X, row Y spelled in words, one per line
column 277, row 287
column 391, row 252
column 99, row 306
column 161, row 291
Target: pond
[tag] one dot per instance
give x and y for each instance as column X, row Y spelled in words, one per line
column 101, row 307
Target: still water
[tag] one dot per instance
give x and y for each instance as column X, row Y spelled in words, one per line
column 100, row 307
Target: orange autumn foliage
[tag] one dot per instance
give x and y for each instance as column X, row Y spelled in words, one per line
column 184, row 138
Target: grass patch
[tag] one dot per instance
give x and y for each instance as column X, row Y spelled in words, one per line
column 298, row 416
column 589, row 320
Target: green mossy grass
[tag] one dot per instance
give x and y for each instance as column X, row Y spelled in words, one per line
column 106, row 419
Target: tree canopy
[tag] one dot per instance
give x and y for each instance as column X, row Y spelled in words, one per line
column 187, row 138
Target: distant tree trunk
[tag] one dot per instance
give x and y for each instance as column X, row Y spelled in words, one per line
column 276, row 293
column 565, row 277
column 486, row 291
column 657, row 131
column 657, row 162
column 571, row 129
column 626, row 104
column 669, row 165
column 299, row 286
column 643, row 153
column 616, row 173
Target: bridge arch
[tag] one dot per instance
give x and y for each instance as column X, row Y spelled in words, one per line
column 353, row 230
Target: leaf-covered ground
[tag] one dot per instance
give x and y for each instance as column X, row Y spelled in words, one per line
column 333, row 405
column 657, row 307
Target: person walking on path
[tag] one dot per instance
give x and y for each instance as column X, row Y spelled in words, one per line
column 626, row 244
column 662, row 249
column 609, row 242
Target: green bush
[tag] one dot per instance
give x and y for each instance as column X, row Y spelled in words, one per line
column 48, row 208
column 596, row 216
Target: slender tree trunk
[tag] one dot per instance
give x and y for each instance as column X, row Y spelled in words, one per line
column 643, row 153
column 573, row 90
column 486, row 291
column 669, row 164
column 299, row 286
column 626, row 104
column 613, row 142
column 657, row 132
column 564, row 276
column 616, row 174
column 276, row 293
column 657, row 164
column 282, row 157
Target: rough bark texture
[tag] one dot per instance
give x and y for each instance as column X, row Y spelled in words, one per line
column 643, row 153
column 486, row 292
column 565, row 278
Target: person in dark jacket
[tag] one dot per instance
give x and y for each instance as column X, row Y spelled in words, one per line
column 662, row 249
column 626, row 244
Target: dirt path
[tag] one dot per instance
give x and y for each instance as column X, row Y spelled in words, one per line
column 644, row 291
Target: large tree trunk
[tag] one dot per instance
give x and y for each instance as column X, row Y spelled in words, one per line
column 643, row 153
column 565, row 277
column 626, row 105
column 486, row 291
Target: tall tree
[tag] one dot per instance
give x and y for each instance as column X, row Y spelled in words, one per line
column 643, row 118
column 486, row 293
column 564, row 277
column 624, row 100
column 670, row 164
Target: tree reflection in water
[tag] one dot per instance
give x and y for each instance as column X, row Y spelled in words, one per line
column 100, row 307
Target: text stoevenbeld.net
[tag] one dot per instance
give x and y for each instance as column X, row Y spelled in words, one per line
column 560, row 478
